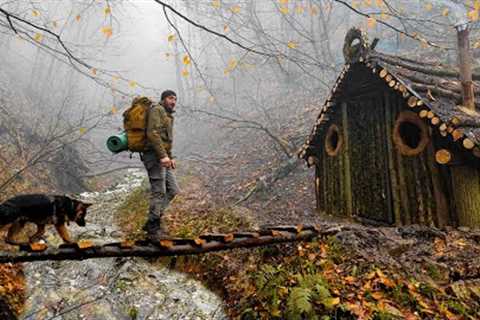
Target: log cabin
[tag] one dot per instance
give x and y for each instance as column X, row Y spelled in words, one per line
column 394, row 143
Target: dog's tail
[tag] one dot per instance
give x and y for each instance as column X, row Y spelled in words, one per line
column 8, row 214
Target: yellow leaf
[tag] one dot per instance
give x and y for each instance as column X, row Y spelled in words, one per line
column 107, row 11
column 114, row 110
column 445, row 12
column 313, row 10
column 355, row 4
column 379, row 3
column 428, row 7
column 94, row 71
column 107, row 31
column 225, row 28
column 284, row 9
column 235, row 9
column 299, row 9
column 371, row 23
column 77, row 17
column 185, row 73
column 132, row 83
column 115, row 78
column 232, row 63
column 377, row 295
column 82, row 130
column 283, row 1
column 476, row 5
column 35, row 13
column 367, row 3
column 331, row 302
column 186, row 60
column 292, row 45
column 38, row 37
column 473, row 15
column 476, row 45
column 216, row 4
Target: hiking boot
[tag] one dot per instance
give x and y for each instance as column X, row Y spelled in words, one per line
column 158, row 234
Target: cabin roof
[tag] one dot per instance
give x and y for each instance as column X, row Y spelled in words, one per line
column 430, row 89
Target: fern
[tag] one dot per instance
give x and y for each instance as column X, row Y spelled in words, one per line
column 267, row 273
column 299, row 303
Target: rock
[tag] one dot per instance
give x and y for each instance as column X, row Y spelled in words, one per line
column 113, row 288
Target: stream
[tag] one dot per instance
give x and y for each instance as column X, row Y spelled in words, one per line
column 113, row 288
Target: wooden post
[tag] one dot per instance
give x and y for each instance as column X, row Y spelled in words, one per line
column 465, row 65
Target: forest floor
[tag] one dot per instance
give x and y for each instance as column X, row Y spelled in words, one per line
column 359, row 273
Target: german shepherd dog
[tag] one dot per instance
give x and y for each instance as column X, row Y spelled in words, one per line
column 41, row 209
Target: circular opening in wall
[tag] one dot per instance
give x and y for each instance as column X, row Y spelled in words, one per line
column 333, row 140
column 410, row 134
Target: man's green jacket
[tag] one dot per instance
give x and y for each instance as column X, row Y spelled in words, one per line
column 160, row 131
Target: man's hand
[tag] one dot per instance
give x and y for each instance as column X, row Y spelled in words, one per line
column 173, row 164
column 166, row 162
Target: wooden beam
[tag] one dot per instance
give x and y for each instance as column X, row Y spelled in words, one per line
column 465, row 66
column 175, row 246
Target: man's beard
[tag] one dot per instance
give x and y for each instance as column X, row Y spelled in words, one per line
column 170, row 109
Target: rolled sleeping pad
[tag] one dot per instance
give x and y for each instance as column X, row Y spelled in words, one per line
column 118, row 142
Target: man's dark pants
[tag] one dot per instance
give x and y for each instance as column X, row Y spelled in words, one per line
column 163, row 188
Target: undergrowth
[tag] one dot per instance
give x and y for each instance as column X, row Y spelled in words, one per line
column 317, row 280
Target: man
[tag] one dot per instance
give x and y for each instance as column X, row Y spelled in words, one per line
column 159, row 163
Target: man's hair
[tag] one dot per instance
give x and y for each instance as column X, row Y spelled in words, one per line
column 168, row 93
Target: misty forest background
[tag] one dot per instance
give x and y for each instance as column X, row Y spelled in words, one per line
column 250, row 75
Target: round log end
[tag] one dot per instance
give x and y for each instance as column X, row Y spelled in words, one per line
column 435, row 121
column 383, row 73
column 476, row 152
column 412, row 101
column 423, row 113
column 457, row 134
column 468, row 144
column 443, row 156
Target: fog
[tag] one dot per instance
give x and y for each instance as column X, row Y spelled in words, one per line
column 250, row 75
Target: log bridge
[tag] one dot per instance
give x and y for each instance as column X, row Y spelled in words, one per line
column 86, row 249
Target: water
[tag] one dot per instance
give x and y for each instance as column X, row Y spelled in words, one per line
column 113, row 288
